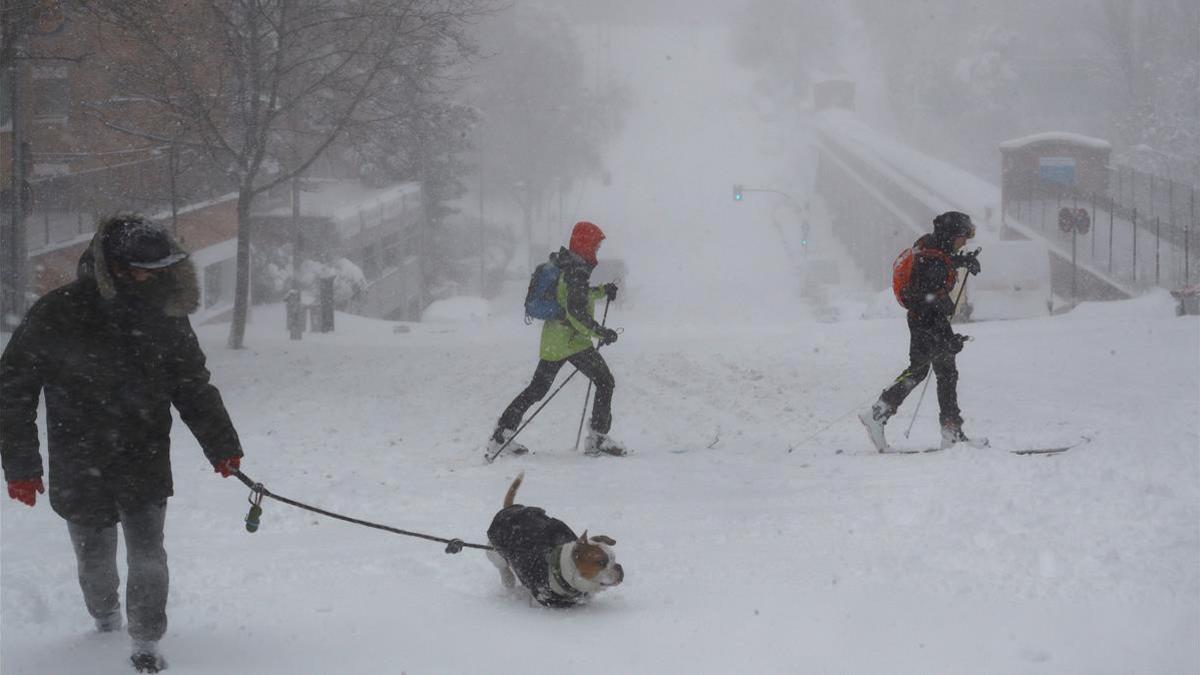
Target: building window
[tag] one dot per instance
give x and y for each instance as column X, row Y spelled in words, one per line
column 5, row 101
column 51, row 92
column 43, row 169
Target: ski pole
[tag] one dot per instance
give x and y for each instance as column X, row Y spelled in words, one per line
column 490, row 458
column 493, row 456
column 930, row 364
column 588, row 395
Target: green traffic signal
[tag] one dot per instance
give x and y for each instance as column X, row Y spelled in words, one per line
column 737, row 193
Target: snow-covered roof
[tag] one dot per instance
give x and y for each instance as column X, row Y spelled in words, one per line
column 1056, row 137
column 351, row 205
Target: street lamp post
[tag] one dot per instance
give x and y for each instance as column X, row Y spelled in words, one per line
column 739, row 191
column 482, row 228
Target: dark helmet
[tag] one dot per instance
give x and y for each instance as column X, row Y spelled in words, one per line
column 953, row 224
column 136, row 242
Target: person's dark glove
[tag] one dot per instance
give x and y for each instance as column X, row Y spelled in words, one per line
column 957, row 342
column 610, row 290
column 228, row 466
column 27, row 490
column 607, row 336
column 968, row 260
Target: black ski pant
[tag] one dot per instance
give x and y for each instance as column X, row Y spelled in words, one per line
column 146, row 587
column 591, row 364
column 931, row 343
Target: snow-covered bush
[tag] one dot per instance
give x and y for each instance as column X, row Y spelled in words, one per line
column 348, row 279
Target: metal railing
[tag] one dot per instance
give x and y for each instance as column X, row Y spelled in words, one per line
column 1125, row 242
column 1152, row 196
column 65, row 207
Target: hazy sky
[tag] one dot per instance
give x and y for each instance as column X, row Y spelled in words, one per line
column 692, row 133
column 655, row 12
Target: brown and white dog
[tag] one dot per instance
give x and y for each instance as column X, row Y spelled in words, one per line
column 558, row 568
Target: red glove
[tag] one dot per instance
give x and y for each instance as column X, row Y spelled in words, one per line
column 25, row 491
column 228, row 466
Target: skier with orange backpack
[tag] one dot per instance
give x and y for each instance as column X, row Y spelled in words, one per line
column 923, row 278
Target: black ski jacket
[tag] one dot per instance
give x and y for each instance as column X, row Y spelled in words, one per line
column 110, row 368
column 576, row 273
column 927, row 295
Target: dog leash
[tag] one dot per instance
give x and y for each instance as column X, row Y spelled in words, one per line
column 258, row 491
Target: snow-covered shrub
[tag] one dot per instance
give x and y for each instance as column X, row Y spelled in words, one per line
column 276, row 279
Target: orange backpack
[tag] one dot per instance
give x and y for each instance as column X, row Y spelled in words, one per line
column 903, row 264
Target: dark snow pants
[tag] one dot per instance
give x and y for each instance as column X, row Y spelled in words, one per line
column 146, row 587
column 591, row 364
column 931, row 342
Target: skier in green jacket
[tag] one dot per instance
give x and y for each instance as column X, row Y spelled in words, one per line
column 569, row 340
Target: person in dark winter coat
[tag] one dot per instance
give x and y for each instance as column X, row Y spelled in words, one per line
column 112, row 352
column 569, row 340
column 932, row 342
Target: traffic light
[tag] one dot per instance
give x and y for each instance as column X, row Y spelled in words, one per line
column 737, row 192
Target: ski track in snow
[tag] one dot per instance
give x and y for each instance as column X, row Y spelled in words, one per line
column 742, row 557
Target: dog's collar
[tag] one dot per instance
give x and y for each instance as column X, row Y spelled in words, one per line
column 558, row 583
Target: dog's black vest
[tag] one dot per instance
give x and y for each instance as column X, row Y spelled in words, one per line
column 528, row 539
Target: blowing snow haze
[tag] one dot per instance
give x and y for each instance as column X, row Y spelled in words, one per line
column 883, row 317
column 692, row 132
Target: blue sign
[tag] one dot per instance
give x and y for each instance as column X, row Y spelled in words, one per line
column 1058, row 170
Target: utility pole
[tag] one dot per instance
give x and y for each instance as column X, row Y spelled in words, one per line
column 294, row 304
column 482, row 226
column 13, row 246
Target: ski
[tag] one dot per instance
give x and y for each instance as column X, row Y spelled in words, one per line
column 625, row 452
column 1042, row 451
column 1049, row 450
column 897, row 451
column 1028, row 451
column 977, row 443
column 507, row 452
column 1053, row 450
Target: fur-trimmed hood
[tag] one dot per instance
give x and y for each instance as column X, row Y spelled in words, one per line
column 184, row 295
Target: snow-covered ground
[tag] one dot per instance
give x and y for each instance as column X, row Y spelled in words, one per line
column 750, row 544
column 759, row 531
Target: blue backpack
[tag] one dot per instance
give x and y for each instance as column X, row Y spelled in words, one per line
column 541, row 300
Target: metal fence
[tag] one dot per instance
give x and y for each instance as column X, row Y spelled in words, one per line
column 65, row 207
column 1153, row 196
column 1122, row 240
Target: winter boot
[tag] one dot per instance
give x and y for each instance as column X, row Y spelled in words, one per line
column 952, row 433
column 874, row 419
column 602, row 444
column 111, row 622
column 499, row 437
column 145, row 657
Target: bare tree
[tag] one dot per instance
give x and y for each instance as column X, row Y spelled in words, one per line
column 263, row 88
column 425, row 138
column 1154, row 50
column 545, row 126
